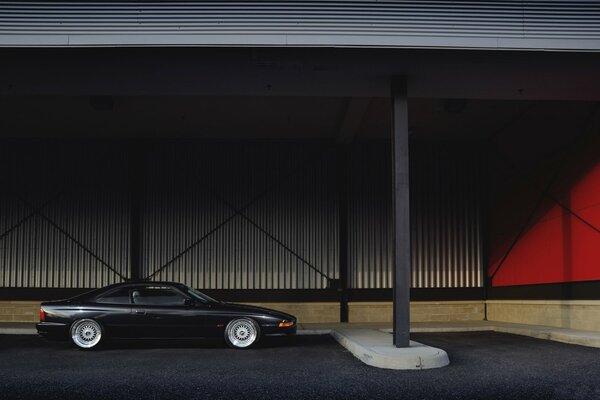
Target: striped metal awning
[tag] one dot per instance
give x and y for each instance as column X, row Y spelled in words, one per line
column 508, row 24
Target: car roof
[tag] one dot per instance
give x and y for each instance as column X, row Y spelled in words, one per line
column 147, row 282
column 100, row 291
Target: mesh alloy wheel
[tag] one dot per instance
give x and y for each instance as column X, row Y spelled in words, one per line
column 241, row 333
column 86, row 333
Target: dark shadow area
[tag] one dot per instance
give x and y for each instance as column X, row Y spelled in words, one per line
column 483, row 365
column 543, row 196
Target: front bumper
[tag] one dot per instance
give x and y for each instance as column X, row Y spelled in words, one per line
column 274, row 330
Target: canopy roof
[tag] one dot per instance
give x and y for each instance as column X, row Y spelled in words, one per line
column 509, row 24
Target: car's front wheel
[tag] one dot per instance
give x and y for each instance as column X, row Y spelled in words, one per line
column 86, row 333
column 242, row 333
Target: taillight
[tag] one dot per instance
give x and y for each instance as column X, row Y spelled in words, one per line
column 42, row 315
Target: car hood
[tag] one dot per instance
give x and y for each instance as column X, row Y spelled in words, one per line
column 243, row 308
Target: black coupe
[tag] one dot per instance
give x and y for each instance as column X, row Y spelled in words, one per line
column 158, row 310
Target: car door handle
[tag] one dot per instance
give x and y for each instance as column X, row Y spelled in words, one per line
column 140, row 312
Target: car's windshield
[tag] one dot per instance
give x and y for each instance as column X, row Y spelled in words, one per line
column 201, row 296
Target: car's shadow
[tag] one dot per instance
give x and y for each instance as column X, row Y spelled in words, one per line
column 264, row 343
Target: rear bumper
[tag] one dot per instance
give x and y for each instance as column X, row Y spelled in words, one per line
column 52, row 329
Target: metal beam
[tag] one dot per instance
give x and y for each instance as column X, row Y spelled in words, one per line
column 135, row 165
column 342, row 175
column 401, row 213
column 356, row 109
column 290, row 72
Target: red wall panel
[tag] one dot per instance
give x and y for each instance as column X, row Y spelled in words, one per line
column 557, row 246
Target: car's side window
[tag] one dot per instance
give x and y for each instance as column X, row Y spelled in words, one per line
column 119, row 296
column 157, row 296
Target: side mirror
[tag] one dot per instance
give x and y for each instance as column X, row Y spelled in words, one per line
column 188, row 302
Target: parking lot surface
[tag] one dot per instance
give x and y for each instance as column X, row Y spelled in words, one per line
column 484, row 365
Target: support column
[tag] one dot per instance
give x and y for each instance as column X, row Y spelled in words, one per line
column 135, row 160
column 342, row 166
column 401, row 213
column 356, row 109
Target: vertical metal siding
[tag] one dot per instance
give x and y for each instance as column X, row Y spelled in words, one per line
column 231, row 215
column 445, row 217
column 63, row 215
column 286, row 228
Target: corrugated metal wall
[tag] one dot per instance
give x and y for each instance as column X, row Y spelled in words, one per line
column 64, row 214
column 370, row 216
column 320, row 22
column 230, row 215
column 445, row 216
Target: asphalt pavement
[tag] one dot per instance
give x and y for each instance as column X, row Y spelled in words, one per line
column 484, row 365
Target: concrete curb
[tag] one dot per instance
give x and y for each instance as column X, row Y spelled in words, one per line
column 307, row 332
column 447, row 329
column 17, row 330
column 375, row 348
column 382, row 357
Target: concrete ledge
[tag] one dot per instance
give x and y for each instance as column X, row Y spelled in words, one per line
column 570, row 336
column 314, row 312
column 19, row 311
column 17, row 329
column 570, row 314
column 375, row 348
column 420, row 311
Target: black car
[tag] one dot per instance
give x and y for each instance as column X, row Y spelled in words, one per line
column 158, row 310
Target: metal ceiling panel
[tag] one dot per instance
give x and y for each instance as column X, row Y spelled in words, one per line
column 551, row 24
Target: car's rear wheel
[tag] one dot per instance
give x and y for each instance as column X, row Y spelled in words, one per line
column 86, row 333
column 242, row 333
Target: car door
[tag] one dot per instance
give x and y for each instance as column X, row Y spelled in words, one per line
column 162, row 311
column 113, row 310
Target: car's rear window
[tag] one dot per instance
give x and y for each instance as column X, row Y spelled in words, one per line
column 118, row 296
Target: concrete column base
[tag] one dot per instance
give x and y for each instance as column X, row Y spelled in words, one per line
column 375, row 348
